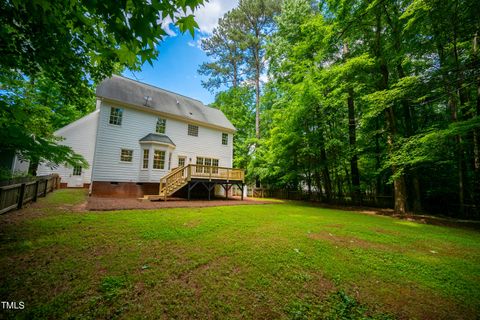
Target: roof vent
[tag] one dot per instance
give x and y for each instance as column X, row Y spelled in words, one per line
column 148, row 99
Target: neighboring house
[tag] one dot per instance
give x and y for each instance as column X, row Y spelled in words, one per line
column 11, row 162
column 138, row 133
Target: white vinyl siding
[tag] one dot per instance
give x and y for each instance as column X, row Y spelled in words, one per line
column 80, row 136
column 136, row 125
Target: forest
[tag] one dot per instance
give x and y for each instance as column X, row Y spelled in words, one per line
column 349, row 101
column 354, row 101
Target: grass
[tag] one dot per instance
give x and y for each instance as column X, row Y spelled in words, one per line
column 284, row 260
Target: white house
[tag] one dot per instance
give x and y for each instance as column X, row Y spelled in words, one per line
column 138, row 134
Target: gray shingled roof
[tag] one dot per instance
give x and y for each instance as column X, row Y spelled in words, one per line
column 157, row 137
column 133, row 92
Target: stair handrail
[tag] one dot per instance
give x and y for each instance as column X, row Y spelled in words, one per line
column 167, row 179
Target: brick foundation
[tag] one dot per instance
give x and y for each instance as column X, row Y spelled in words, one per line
column 64, row 185
column 138, row 190
column 123, row 189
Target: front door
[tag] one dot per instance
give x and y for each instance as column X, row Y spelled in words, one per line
column 75, row 180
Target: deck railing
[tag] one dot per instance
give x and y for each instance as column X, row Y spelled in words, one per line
column 214, row 173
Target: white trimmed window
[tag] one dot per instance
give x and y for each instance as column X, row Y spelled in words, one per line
column 192, row 130
column 181, row 161
column 225, row 139
column 126, row 155
column 146, row 153
column 159, row 159
column 201, row 161
column 77, row 171
column 161, row 125
column 116, row 115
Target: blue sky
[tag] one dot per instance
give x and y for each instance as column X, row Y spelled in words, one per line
column 180, row 55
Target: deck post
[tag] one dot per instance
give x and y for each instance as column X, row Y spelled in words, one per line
column 241, row 193
column 188, row 187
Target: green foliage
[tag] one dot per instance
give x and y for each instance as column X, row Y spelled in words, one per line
column 71, row 41
column 370, row 99
column 239, row 107
column 54, row 52
column 31, row 110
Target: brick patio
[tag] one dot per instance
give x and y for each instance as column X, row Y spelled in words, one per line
column 105, row 204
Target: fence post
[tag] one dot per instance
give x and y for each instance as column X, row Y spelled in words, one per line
column 22, row 196
column 45, row 188
column 35, row 195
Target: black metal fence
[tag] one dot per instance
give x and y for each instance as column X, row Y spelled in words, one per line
column 304, row 195
column 21, row 191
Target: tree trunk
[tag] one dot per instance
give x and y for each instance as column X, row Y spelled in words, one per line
column 324, row 167
column 257, row 107
column 235, row 74
column 399, row 181
column 356, row 196
column 476, row 132
column 257, row 88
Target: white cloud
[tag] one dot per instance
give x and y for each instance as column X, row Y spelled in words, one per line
column 167, row 24
column 207, row 15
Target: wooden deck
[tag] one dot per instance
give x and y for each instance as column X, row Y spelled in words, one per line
column 193, row 174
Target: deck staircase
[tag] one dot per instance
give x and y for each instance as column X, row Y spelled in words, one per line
column 170, row 184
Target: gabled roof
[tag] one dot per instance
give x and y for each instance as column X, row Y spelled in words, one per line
column 142, row 95
column 158, row 138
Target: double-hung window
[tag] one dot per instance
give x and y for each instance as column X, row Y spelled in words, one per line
column 116, row 115
column 161, row 125
column 159, row 159
column 225, row 139
column 181, row 161
column 209, row 162
column 126, row 155
column 77, row 171
column 146, row 154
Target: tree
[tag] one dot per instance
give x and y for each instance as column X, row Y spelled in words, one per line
column 238, row 105
column 373, row 100
column 256, row 24
column 70, row 46
column 223, row 47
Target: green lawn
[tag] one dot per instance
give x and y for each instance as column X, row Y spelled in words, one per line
column 284, row 260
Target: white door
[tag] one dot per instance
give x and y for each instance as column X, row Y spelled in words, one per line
column 75, row 180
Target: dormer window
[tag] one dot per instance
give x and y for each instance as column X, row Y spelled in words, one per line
column 116, row 115
column 161, row 125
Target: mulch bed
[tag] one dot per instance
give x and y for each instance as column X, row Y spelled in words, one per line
column 106, row 204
